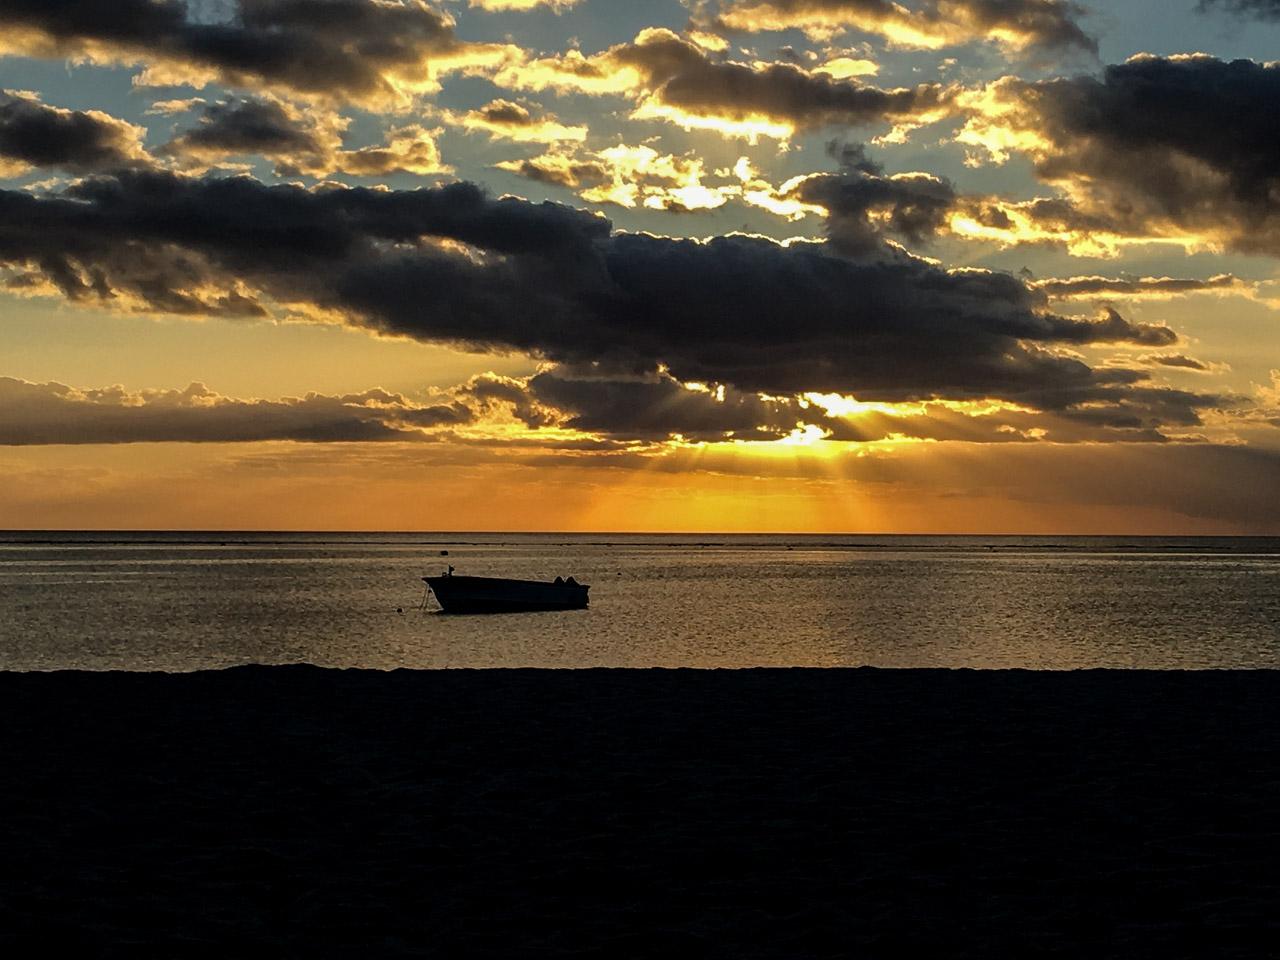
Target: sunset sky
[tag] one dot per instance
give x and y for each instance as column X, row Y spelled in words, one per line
column 734, row 265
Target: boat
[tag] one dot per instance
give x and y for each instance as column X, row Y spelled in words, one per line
column 499, row 595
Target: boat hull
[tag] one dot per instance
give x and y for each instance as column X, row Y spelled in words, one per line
column 497, row 595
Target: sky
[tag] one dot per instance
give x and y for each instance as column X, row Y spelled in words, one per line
column 934, row 266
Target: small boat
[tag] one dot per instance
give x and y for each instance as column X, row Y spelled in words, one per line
column 499, row 595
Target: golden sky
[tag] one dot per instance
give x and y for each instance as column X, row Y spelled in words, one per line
column 721, row 265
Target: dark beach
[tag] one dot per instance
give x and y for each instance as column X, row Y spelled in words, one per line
column 597, row 813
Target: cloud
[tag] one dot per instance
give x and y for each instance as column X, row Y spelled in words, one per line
column 560, row 169
column 408, row 149
column 1267, row 409
column 1052, row 222
column 842, row 68
column 169, row 108
column 1147, row 288
column 452, row 265
column 659, row 407
column 748, row 312
column 378, row 53
column 558, row 6
column 780, row 200
column 656, row 408
column 1178, row 361
column 636, row 408
column 631, row 176
column 299, row 141
column 561, row 408
column 1180, row 148
column 928, row 24
column 243, row 127
column 1142, row 417
column 678, row 81
column 863, row 204
column 1113, row 328
column 507, row 120
column 34, row 134
column 167, row 242
column 53, row 413
column 628, row 176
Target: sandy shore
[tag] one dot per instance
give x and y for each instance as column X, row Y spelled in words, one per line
column 615, row 814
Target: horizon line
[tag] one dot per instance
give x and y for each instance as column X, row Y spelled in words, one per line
column 616, row 533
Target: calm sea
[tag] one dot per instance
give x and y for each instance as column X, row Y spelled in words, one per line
column 188, row 601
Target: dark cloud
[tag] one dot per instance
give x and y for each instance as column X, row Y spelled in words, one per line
column 658, row 407
column 52, row 413
column 249, row 126
column 621, row 411
column 410, row 149
column 508, row 120
column 863, row 203
column 923, row 23
column 787, row 93
column 682, row 75
column 1113, row 328
column 177, row 244
column 34, row 134
column 299, row 142
column 655, row 408
column 748, row 312
column 853, row 157
column 244, row 227
column 451, row 264
column 1044, row 23
column 1176, row 360
column 1063, row 288
column 1157, row 146
column 677, row 80
column 507, row 113
column 490, row 388
column 559, row 169
column 359, row 50
column 1134, row 423
column 631, row 176
column 1055, row 215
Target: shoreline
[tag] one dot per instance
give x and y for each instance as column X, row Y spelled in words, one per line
column 758, row 812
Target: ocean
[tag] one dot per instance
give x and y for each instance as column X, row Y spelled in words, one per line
column 186, row 601
column 1050, row 811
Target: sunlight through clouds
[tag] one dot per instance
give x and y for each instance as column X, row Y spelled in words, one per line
column 775, row 250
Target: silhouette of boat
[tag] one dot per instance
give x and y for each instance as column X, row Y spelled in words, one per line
column 499, row 595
